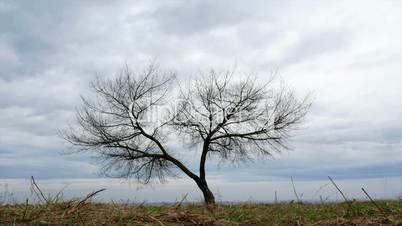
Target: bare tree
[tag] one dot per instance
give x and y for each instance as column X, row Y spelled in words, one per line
column 232, row 119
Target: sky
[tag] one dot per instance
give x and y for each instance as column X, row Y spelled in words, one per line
column 346, row 53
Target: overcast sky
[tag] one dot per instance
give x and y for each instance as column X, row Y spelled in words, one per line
column 348, row 53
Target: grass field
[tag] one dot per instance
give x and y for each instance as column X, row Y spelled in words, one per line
column 88, row 213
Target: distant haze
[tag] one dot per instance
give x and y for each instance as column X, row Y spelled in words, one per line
column 17, row 190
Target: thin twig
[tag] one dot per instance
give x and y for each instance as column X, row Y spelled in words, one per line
column 142, row 204
column 155, row 219
column 80, row 203
column 294, row 190
column 90, row 195
column 372, row 201
column 60, row 193
column 340, row 191
column 25, row 209
column 181, row 201
column 322, row 201
column 37, row 191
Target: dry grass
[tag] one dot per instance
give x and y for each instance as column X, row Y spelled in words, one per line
column 64, row 213
column 54, row 211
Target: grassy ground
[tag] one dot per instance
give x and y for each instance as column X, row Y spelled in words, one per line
column 79, row 213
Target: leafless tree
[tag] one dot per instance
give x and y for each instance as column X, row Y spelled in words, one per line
column 228, row 117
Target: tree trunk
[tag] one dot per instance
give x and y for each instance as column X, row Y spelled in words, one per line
column 208, row 195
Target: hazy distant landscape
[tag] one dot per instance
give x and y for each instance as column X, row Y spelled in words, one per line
column 262, row 191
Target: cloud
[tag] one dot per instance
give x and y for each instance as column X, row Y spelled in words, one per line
column 197, row 16
column 346, row 54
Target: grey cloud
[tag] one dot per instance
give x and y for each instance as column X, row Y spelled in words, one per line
column 312, row 169
column 53, row 48
column 61, row 169
column 38, row 32
column 321, row 43
column 197, row 16
column 31, row 31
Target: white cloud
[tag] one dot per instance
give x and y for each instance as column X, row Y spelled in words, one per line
column 346, row 52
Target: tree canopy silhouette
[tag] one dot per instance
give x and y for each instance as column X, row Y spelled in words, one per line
column 132, row 118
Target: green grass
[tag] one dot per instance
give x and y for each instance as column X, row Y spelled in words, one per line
column 69, row 213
